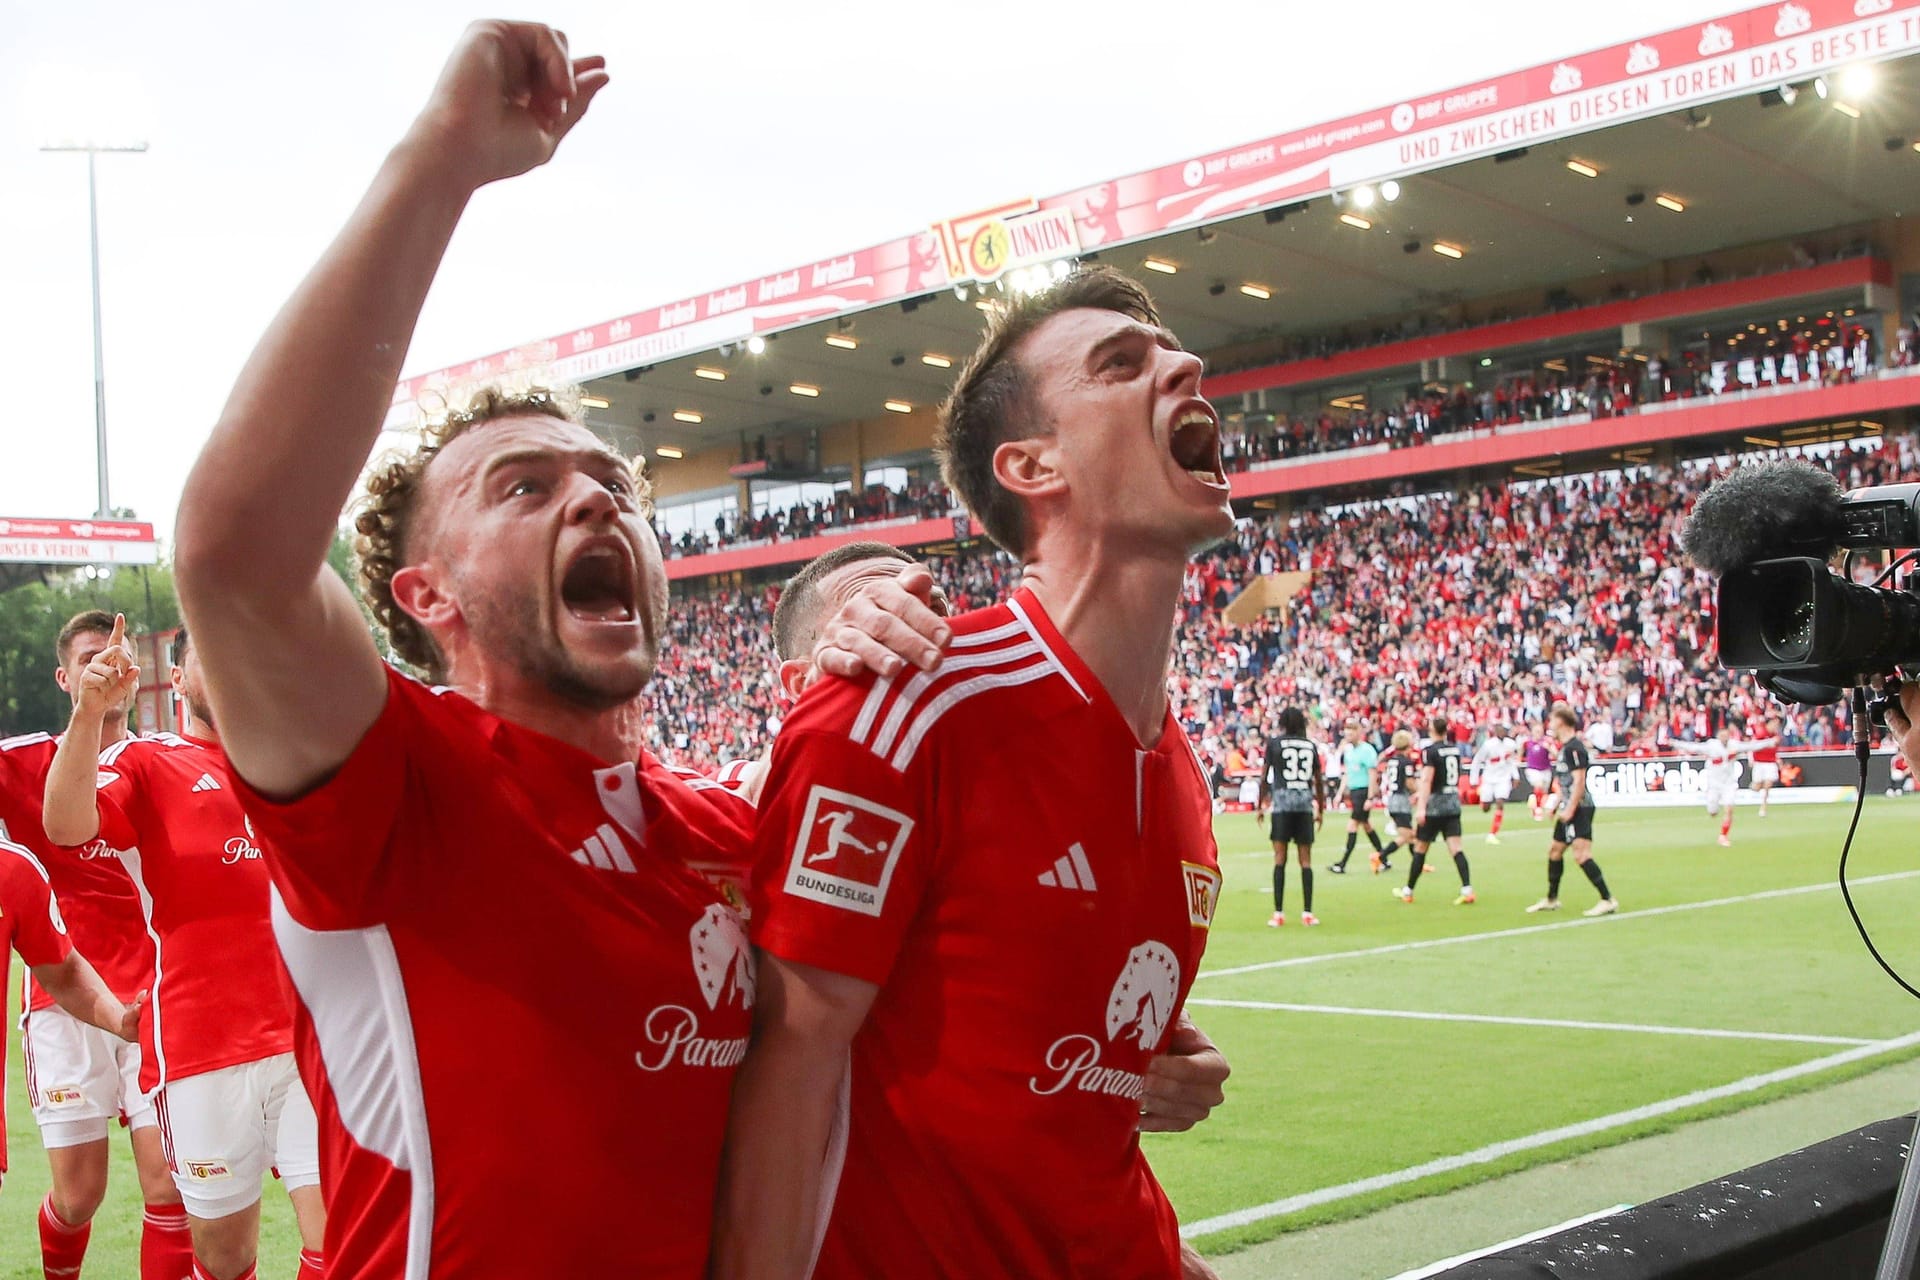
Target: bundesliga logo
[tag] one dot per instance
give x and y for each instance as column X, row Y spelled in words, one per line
column 846, row 851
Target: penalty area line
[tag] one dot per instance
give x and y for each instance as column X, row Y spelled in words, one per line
column 1534, row 1141
column 1648, row 913
column 1561, row 1024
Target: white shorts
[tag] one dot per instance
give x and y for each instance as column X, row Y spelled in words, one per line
column 224, row 1130
column 1764, row 773
column 1538, row 779
column 1497, row 786
column 1720, row 796
column 80, row 1079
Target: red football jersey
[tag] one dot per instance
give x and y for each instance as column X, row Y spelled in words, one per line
column 168, row 805
column 1032, row 893
column 98, row 901
column 483, row 922
column 30, row 924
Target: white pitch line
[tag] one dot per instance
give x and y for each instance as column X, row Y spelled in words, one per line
column 1545, row 1138
column 1427, row 1015
column 1646, row 914
column 1447, row 1264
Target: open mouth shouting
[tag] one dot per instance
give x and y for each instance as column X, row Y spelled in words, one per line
column 1195, row 445
column 599, row 583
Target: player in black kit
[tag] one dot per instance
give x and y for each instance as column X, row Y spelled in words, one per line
column 1573, row 820
column 1436, row 810
column 1293, row 786
column 1395, row 775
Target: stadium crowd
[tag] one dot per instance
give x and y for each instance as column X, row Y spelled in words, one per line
column 1490, row 609
column 915, row 500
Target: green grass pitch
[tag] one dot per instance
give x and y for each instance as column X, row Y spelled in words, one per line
column 1322, row 1100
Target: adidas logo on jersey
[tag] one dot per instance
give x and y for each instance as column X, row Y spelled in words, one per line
column 604, row 849
column 1070, row 872
column 207, row 783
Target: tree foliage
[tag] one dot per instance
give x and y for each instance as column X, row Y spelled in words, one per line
column 31, row 617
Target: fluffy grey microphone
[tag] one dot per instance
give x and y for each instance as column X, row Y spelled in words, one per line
column 1767, row 509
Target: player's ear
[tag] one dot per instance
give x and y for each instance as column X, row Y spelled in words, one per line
column 418, row 593
column 1029, row 468
column 60, row 678
column 793, row 676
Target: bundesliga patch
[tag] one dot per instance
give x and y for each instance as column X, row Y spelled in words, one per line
column 1203, row 893
column 846, row 851
column 208, row 1170
column 64, row 1096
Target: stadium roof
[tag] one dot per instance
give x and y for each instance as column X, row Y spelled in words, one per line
column 1694, row 125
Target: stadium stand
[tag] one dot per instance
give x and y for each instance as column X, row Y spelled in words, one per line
column 1490, row 606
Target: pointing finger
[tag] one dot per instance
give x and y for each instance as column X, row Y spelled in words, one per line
column 119, row 635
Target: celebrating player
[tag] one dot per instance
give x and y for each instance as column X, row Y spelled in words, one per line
column 1494, row 770
column 1360, row 762
column 967, row 1017
column 80, row 1079
column 500, row 859
column 1766, row 763
column 1720, row 774
column 1573, row 821
column 31, row 924
column 217, row 1043
column 1436, row 811
column 1291, row 785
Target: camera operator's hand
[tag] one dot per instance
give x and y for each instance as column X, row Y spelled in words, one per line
column 1901, row 716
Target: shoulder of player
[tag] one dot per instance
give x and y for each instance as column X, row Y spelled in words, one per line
column 999, row 666
column 134, row 751
column 18, row 860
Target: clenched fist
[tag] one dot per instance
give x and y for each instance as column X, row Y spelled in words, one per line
column 507, row 96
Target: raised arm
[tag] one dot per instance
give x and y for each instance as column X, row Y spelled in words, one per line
column 292, row 673
column 781, row 1126
column 70, row 806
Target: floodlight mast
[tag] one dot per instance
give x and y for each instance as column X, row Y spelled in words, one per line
column 104, row 509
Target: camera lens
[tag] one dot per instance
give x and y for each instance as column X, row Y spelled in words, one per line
column 1786, row 627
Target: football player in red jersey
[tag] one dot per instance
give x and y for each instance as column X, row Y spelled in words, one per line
column 982, row 892
column 217, row 1044
column 438, row 857
column 80, row 1079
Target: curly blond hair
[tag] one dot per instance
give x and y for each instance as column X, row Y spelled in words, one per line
column 384, row 515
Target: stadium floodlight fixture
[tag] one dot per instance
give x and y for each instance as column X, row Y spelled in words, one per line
column 1788, row 94
column 843, row 341
column 1584, row 169
column 1389, row 191
column 1063, row 268
column 806, row 389
column 899, row 406
column 757, row 345
column 710, row 374
column 92, row 148
column 1846, row 109
column 671, row 451
column 1161, row 265
column 1446, row 250
column 1259, row 291
column 937, row 361
column 1362, row 197
column 1821, row 87
column 687, row 416
column 1673, row 204
column 1356, row 221
column 1857, row 81
column 595, row 402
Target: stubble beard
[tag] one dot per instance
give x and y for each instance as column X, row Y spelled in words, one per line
column 518, row 631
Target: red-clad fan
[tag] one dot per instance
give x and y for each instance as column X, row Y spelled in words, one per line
column 981, row 893
column 80, row 1079
column 492, row 892
column 217, row 1042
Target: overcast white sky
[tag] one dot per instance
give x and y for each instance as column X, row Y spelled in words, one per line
column 736, row 138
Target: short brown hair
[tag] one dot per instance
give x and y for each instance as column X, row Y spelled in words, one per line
column 384, row 517
column 992, row 402
column 795, row 618
column 1564, row 713
column 80, row 624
